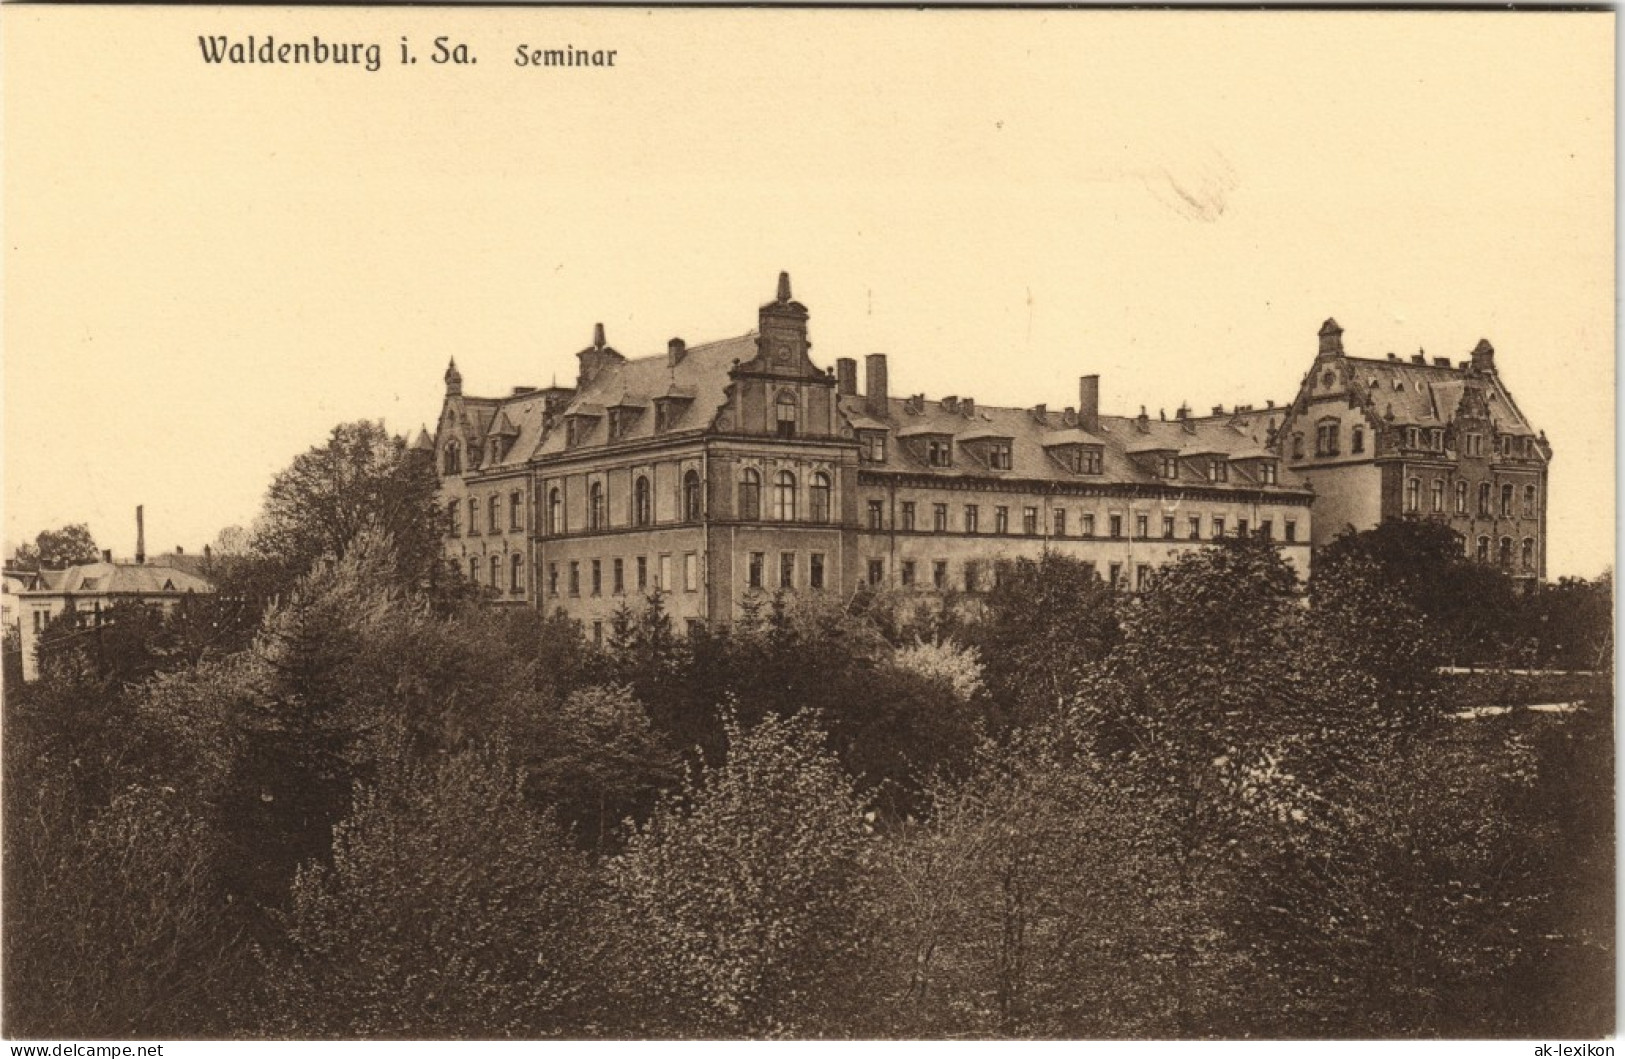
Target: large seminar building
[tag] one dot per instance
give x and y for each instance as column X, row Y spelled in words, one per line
column 740, row 466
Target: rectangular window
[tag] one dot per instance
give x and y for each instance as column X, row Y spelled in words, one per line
column 1001, row 519
column 643, row 573
column 1413, row 494
column 908, row 515
column 1088, row 529
column 1089, row 570
column 691, row 572
column 874, row 446
column 1475, row 445
column 1218, row 470
column 1196, row 527
column 1506, row 500
column 1029, row 521
column 1142, row 577
column 1266, row 472
column 1168, row 466
column 598, row 633
column 939, row 518
column 575, row 577
column 597, row 577
column 971, row 518
column 1167, row 526
column 1266, row 529
column 908, row 571
column 473, row 517
column 665, row 584
column 493, row 509
column 1291, row 531
column 877, row 571
column 1529, row 497
column 758, row 561
column 1060, row 522
column 971, row 579
column 1241, row 527
column 939, row 574
column 999, row 456
column 939, row 453
column 1484, row 498
column 877, row 515
column 1116, row 524
column 514, row 510
column 1218, row 527
column 1142, row 526
column 1438, row 496
column 1326, row 439
column 815, row 571
column 787, row 569
column 618, row 576
column 552, row 579
column 1115, row 575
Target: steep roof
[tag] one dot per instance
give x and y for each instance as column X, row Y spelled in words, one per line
column 122, row 579
column 699, row 381
column 1236, row 437
column 1429, row 394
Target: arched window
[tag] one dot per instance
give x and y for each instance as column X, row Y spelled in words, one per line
column 1483, row 498
column 640, row 501
column 595, row 506
column 1438, row 496
column 1483, row 549
column 750, row 493
column 784, row 497
column 1506, row 551
column 473, row 515
column 1529, row 553
column 516, row 572
column 691, row 496
column 555, row 513
column 1529, row 501
column 493, row 513
column 1413, row 494
column 819, row 496
column 515, row 511
column 452, row 458
column 454, row 516
column 1506, row 500
column 1357, row 440
column 1461, row 498
column 1297, row 446
column 784, row 411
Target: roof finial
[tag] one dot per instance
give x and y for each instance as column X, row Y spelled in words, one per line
column 598, row 336
column 454, row 379
column 784, row 286
column 1331, row 339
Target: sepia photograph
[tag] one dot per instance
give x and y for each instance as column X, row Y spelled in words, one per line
column 653, row 524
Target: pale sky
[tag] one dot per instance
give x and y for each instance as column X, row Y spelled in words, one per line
column 208, row 267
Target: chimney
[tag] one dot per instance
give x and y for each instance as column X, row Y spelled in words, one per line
column 950, row 404
column 1419, row 357
column 179, row 550
column 1394, row 357
column 1331, row 339
column 1143, row 422
column 676, row 350
column 1484, row 356
column 1183, row 412
column 107, row 555
column 1218, row 409
column 846, row 377
column 1441, row 362
column 1270, row 403
column 140, row 535
column 1089, row 403
column 875, row 364
column 967, row 407
column 1041, row 413
column 208, row 553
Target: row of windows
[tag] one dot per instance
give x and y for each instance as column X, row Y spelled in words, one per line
column 642, row 504
column 1214, row 468
column 493, row 514
column 1503, row 554
column 1327, row 441
column 516, row 572
column 617, row 569
column 784, row 500
column 973, row 574
column 1486, row 498
column 907, row 522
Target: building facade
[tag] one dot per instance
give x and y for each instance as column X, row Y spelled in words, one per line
column 742, row 467
column 1423, row 439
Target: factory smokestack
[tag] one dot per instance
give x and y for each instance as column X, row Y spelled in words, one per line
column 140, row 535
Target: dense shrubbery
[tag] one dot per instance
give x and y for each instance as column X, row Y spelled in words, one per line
column 1208, row 810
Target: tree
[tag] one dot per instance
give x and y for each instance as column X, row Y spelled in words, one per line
column 58, row 549
column 739, row 897
column 450, row 909
column 362, row 476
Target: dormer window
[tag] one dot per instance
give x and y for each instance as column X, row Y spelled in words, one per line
column 452, row 459
column 1266, row 472
column 939, row 452
column 872, row 446
column 1168, row 465
column 998, row 455
column 1218, row 470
